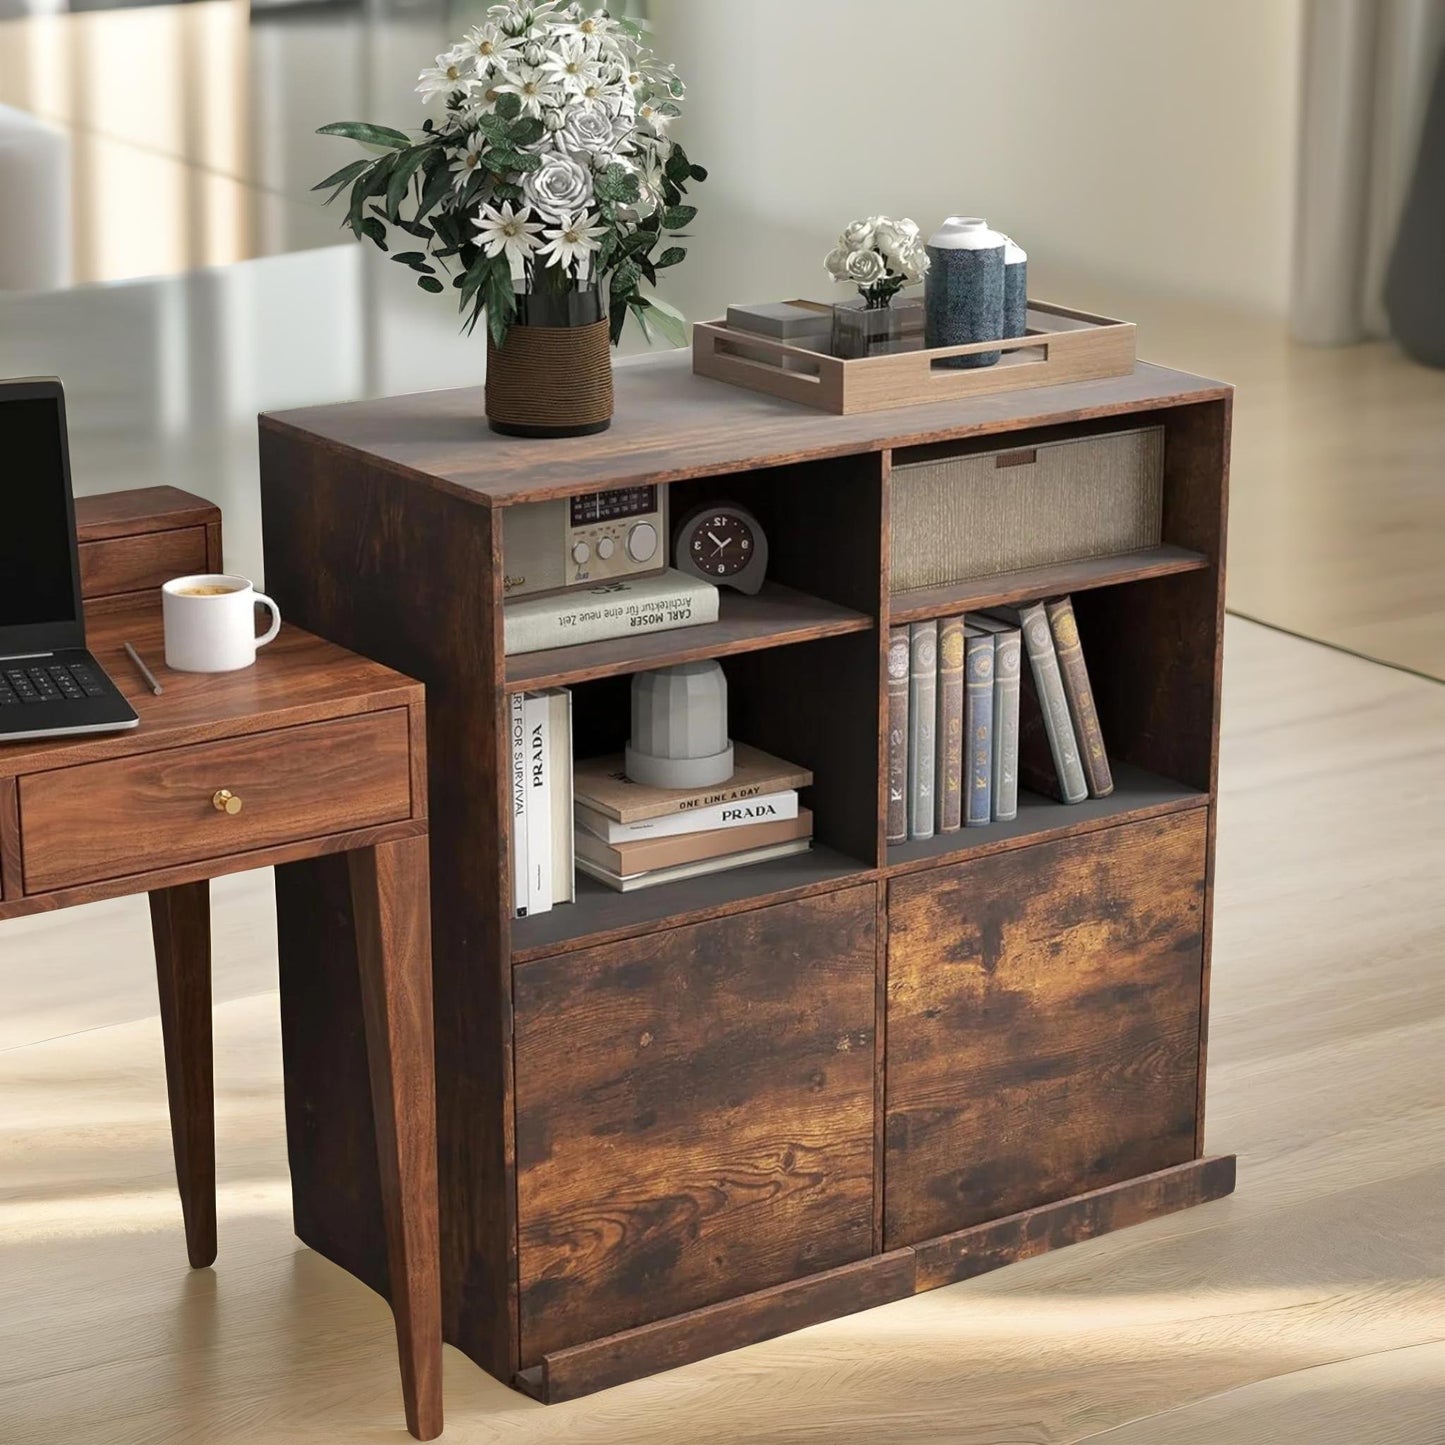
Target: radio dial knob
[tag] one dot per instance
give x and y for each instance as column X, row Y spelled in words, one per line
column 580, row 553
column 605, row 548
column 642, row 542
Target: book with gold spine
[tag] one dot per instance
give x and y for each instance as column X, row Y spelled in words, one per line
column 949, row 768
column 1080, row 694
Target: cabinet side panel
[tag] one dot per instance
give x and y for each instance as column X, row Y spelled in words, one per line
column 404, row 574
column 1043, row 1024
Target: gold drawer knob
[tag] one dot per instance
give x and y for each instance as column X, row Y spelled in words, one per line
column 225, row 801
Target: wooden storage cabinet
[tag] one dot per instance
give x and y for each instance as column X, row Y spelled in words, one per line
column 694, row 1116
column 681, row 1119
column 1042, row 1024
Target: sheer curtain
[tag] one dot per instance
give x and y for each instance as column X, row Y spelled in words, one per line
column 1367, row 71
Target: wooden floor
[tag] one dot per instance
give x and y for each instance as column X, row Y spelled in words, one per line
column 1308, row 1307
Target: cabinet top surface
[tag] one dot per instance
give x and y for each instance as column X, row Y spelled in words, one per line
column 670, row 424
column 298, row 678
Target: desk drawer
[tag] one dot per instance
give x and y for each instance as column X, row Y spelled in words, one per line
column 113, row 819
column 137, row 564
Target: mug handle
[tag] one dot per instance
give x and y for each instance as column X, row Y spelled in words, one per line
column 270, row 634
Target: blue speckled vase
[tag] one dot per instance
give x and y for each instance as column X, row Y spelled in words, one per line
column 963, row 291
column 1015, row 288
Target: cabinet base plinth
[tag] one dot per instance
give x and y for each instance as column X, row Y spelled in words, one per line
column 684, row 1339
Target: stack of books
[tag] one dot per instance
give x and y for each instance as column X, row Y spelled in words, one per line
column 966, row 719
column 631, row 836
column 540, row 729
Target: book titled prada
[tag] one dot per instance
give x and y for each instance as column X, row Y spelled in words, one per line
column 616, row 609
column 1075, row 674
column 922, row 692
column 602, row 786
column 978, row 726
column 949, row 770
column 897, row 831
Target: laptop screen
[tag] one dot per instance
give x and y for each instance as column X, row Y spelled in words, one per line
column 37, row 584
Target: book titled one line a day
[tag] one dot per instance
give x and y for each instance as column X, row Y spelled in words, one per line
column 602, row 785
column 625, row 608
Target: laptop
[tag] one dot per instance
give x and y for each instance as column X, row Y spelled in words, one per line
column 49, row 684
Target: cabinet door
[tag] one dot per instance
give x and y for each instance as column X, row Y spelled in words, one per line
column 694, row 1115
column 1043, row 1023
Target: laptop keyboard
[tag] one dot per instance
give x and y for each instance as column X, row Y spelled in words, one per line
column 54, row 683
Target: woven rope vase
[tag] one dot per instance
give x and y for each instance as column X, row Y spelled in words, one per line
column 550, row 381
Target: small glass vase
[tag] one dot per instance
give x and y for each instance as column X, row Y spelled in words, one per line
column 552, row 377
column 862, row 329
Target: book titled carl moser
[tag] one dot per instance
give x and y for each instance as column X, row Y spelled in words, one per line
column 615, row 609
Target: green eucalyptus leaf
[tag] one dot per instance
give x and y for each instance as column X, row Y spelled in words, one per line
column 342, row 178
column 408, row 258
column 501, row 299
column 670, row 257
column 639, row 242
column 698, row 173
column 375, row 232
column 430, row 283
column 668, row 320
column 367, row 134
column 677, row 167
column 402, row 170
column 617, row 184
column 674, row 218
column 625, row 279
column 438, row 184
column 509, row 105
column 527, row 131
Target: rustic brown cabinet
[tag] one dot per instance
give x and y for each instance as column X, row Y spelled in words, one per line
column 678, row 1120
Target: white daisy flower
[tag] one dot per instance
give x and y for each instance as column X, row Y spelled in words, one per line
column 571, row 244
column 571, row 66
column 464, row 164
column 504, row 231
column 532, row 87
column 454, row 70
column 488, row 47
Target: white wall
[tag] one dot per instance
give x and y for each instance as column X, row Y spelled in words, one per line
column 1142, row 141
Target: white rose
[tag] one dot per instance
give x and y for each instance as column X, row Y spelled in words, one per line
column 560, row 186
column 865, row 267
column 588, row 129
column 889, row 237
column 857, row 236
column 912, row 262
column 836, row 262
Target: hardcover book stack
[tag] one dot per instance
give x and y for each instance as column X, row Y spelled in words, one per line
column 622, row 608
column 631, row 836
column 540, row 729
column 967, row 719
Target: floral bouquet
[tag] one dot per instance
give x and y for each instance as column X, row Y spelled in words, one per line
column 547, row 169
column 879, row 256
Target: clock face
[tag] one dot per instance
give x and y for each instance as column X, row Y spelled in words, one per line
column 721, row 544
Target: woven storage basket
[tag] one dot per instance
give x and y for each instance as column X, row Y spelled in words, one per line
column 550, row 381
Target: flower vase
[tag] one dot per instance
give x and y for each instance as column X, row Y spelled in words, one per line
column 861, row 328
column 552, row 376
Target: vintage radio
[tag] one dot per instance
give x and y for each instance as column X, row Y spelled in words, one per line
column 958, row 514
column 581, row 541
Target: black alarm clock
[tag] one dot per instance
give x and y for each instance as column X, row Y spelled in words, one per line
column 723, row 543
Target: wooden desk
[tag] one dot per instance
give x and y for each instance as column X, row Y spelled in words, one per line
column 327, row 753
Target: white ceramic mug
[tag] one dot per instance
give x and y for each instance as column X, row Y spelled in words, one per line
column 210, row 622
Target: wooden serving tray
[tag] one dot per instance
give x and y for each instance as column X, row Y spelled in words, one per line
column 1060, row 345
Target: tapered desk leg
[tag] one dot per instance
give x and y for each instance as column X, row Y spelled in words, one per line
column 390, row 901
column 181, row 928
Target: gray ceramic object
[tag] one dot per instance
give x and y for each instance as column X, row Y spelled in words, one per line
column 1015, row 288
column 963, row 291
column 680, row 727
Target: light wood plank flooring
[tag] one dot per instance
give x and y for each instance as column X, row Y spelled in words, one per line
column 1309, row 1307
